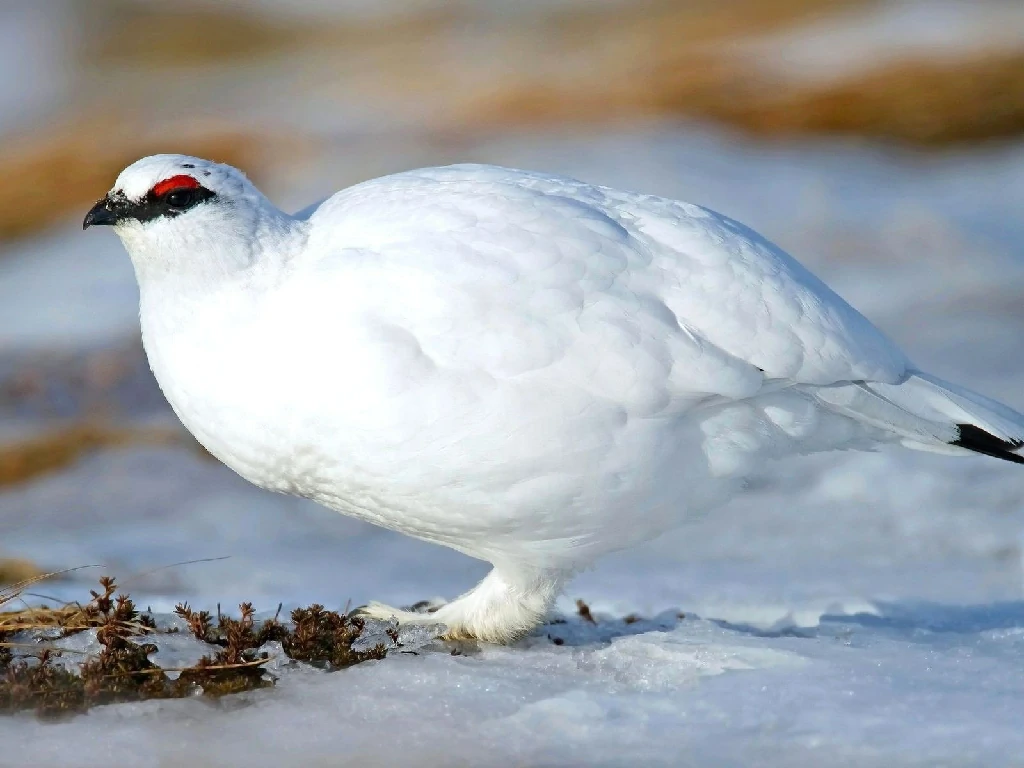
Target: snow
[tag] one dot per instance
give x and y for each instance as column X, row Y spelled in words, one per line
column 856, row 609
column 915, row 688
column 63, row 291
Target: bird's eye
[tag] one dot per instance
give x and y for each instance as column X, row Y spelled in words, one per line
column 180, row 198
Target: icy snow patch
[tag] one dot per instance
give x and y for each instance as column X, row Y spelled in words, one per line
column 901, row 689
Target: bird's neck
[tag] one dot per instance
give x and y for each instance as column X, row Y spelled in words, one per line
column 181, row 275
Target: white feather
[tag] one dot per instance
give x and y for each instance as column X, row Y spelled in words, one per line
column 527, row 368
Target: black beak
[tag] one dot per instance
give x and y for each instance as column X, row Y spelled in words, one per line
column 101, row 213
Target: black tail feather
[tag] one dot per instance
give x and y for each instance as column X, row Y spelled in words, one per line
column 978, row 440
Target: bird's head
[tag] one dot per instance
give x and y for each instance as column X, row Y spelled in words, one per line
column 169, row 209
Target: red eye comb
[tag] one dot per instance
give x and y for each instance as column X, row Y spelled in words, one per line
column 184, row 181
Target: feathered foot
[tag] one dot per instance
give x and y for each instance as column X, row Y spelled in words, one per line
column 500, row 609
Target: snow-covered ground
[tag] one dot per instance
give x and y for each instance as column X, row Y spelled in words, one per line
column 859, row 609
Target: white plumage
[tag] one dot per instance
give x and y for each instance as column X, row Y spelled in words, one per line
column 529, row 369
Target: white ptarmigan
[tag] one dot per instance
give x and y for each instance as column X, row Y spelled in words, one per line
column 526, row 368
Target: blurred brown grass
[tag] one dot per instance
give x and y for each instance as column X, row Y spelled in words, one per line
column 17, row 569
column 455, row 69
column 916, row 102
column 71, row 167
column 692, row 59
column 31, row 457
column 592, row 64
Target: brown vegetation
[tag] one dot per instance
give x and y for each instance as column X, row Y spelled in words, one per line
column 929, row 103
column 37, row 455
column 122, row 671
column 62, row 173
column 15, row 569
column 595, row 64
column 457, row 68
column 693, row 59
column 918, row 102
column 584, row 611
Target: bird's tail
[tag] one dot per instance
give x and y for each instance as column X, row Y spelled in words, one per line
column 929, row 414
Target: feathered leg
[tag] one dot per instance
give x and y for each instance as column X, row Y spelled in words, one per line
column 508, row 603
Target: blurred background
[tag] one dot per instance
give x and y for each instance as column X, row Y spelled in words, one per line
column 879, row 141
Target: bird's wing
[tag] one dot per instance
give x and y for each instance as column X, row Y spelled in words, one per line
column 747, row 296
column 643, row 298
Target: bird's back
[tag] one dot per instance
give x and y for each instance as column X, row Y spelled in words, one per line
column 717, row 302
